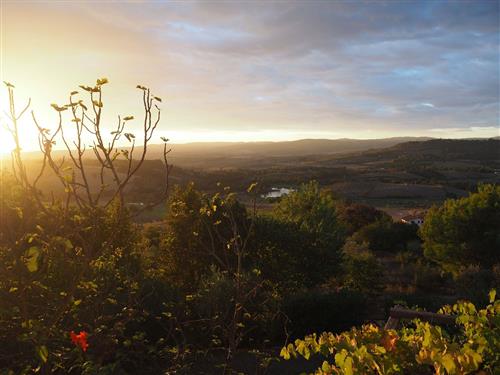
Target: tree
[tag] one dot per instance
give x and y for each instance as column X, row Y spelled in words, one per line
column 384, row 235
column 355, row 216
column 73, row 261
column 288, row 255
column 82, row 135
column 363, row 272
column 206, row 248
column 313, row 211
column 464, row 231
column 199, row 228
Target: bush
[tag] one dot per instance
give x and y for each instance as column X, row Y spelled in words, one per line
column 324, row 311
column 363, row 272
column 422, row 348
column 472, row 281
column 314, row 210
column 290, row 256
column 384, row 235
column 212, row 309
column 76, row 281
column 464, row 231
column 198, row 231
column 355, row 216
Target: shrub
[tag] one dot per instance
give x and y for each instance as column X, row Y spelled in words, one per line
column 472, row 281
column 198, row 232
column 314, row 210
column 363, row 272
column 290, row 256
column 386, row 236
column 212, row 310
column 419, row 349
column 355, row 216
column 464, row 231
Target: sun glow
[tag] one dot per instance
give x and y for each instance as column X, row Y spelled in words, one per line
column 6, row 143
column 27, row 137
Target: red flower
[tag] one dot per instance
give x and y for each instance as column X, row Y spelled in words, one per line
column 80, row 339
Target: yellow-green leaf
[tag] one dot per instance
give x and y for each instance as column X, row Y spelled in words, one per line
column 284, row 353
column 86, row 88
column 340, row 358
column 326, row 367
column 68, row 245
column 57, row 108
column 102, row 81
column 97, row 103
column 252, row 187
column 32, row 259
column 348, row 366
column 43, row 353
column 492, row 295
column 448, row 363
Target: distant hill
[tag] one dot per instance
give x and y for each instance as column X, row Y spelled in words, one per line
column 243, row 154
column 256, row 155
column 287, row 148
column 190, row 152
column 435, row 149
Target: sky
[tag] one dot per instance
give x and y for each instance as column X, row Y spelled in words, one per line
column 255, row 70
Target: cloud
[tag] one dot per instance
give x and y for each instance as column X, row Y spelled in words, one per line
column 336, row 67
column 470, row 131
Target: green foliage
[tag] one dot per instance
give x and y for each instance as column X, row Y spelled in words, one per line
column 384, row 235
column 71, row 270
column 313, row 212
column 471, row 281
column 312, row 209
column 211, row 309
column 419, row 349
column 464, row 231
column 290, row 256
column 355, row 216
column 291, row 252
column 363, row 272
column 207, row 252
column 185, row 255
column 200, row 232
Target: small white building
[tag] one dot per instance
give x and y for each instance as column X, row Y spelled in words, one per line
column 418, row 220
